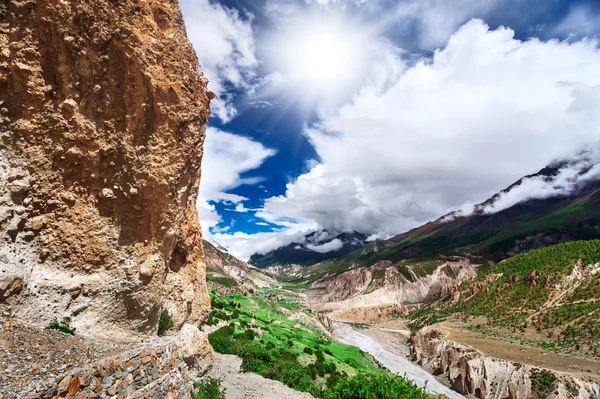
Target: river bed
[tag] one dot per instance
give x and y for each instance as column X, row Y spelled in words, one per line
column 395, row 363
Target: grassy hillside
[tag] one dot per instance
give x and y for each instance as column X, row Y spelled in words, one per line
column 551, row 293
column 258, row 328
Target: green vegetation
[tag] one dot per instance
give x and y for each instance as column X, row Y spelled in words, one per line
column 295, row 285
column 376, row 387
column 516, row 294
column 62, row 326
column 298, row 354
column 542, row 383
column 221, row 280
column 208, row 388
column 165, row 322
column 527, row 280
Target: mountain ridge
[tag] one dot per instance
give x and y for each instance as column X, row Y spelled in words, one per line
column 307, row 250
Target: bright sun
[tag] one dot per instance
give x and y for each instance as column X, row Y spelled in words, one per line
column 318, row 56
column 322, row 57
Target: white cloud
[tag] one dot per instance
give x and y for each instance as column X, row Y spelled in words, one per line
column 208, row 215
column 224, row 43
column 581, row 21
column 485, row 111
column 241, row 208
column 226, row 157
column 436, row 20
column 332, row 245
column 566, row 182
column 243, row 245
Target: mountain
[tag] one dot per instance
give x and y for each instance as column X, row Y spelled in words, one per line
column 312, row 248
column 485, row 235
column 228, row 271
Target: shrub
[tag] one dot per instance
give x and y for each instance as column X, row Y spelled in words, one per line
column 272, row 374
column 62, row 326
column 222, row 339
column 247, row 335
column 165, row 322
column 373, row 386
column 308, row 350
column 542, row 382
column 208, row 388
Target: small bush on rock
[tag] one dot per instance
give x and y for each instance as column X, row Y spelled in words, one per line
column 62, row 326
column 165, row 322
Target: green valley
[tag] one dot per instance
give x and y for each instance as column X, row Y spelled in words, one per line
column 280, row 341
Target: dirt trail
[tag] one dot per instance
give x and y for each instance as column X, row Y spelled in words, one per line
column 249, row 385
column 521, row 354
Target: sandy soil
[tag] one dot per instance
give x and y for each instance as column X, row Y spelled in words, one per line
column 249, row 385
column 392, row 340
column 520, row 354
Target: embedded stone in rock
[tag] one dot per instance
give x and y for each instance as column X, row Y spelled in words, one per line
column 106, row 193
column 69, row 106
column 36, row 223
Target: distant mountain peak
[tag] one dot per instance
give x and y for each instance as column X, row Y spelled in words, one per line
column 312, row 248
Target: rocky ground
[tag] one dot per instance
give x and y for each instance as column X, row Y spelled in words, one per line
column 249, row 385
column 31, row 360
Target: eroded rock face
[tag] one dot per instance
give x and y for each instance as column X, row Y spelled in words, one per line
column 472, row 374
column 103, row 110
column 383, row 285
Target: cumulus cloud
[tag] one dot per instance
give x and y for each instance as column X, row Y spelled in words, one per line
column 224, row 42
column 332, row 245
column 483, row 112
column 226, row 157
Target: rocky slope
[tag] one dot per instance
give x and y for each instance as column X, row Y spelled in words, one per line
column 384, row 289
column 103, row 109
column 469, row 372
column 227, row 270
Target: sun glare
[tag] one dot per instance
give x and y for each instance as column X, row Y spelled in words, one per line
column 322, row 57
column 318, row 56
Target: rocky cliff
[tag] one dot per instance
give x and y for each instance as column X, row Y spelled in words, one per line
column 103, row 110
column 472, row 374
column 386, row 285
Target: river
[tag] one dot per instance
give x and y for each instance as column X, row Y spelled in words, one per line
column 395, row 363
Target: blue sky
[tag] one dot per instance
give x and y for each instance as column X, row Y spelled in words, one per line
column 379, row 115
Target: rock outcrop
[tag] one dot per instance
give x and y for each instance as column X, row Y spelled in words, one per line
column 384, row 284
column 470, row 373
column 103, row 110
